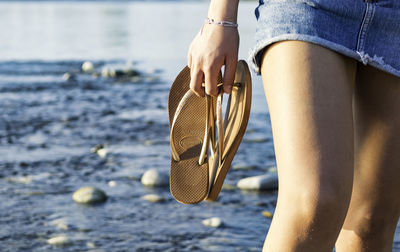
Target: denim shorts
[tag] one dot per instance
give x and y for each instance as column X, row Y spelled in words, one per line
column 365, row 30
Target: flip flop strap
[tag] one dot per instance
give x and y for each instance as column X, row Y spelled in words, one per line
column 220, row 128
column 182, row 103
column 222, row 124
column 209, row 118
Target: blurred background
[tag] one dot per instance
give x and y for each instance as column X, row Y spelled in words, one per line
column 83, row 104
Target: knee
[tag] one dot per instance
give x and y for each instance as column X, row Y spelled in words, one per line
column 375, row 224
column 327, row 205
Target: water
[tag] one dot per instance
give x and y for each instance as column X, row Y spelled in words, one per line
column 48, row 126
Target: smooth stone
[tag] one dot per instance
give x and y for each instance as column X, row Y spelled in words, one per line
column 212, row 222
column 60, row 241
column 263, row 182
column 153, row 198
column 91, row 245
column 89, row 195
column 255, row 140
column 87, row 67
column 130, row 72
column 96, row 148
column 60, row 224
column 102, row 153
column 68, row 76
column 228, row 187
column 99, row 150
column 244, row 167
column 28, row 179
column 267, row 214
column 112, row 183
column 106, row 72
column 155, row 178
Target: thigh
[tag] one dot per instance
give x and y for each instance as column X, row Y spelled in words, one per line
column 309, row 90
column 377, row 143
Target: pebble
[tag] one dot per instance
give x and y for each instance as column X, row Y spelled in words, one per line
column 212, row 222
column 68, row 76
column 89, row 195
column 112, row 183
column 100, row 150
column 228, row 187
column 102, row 153
column 91, row 245
column 87, row 67
column 60, row 241
column 263, row 182
column 60, row 224
column 256, row 140
column 244, row 167
column 267, row 214
column 106, row 72
column 155, row 178
column 153, row 198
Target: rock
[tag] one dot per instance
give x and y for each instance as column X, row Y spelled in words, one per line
column 102, row 153
column 60, row 224
column 153, row 198
column 105, row 72
column 155, row 178
column 91, row 245
column 69, row 77
column 130, row 72
column 263, row 182
column 244, row 167
column 60, row 241
column 89, row 195
column 212, row 222
column 256, row 140
column 228, row 187
column 96, row 148
column 267, row 214
column 114, row 72
column 112, row 183
column 87, row 67
column 99, row 150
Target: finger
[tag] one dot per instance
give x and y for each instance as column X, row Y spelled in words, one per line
column 196, row 78
column 229, row 75
column 210, row 77
column 189, row 57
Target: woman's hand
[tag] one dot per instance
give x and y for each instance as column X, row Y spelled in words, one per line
column 212, row 48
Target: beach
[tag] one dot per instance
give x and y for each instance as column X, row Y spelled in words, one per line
column 63, row 128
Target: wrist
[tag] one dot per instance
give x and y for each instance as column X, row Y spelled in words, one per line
column 223, row 23
column 225, row 10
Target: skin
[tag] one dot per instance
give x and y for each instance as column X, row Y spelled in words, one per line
column 335, row 126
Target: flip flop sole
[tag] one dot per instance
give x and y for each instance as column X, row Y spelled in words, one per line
column 188, row 179
column 237, row 122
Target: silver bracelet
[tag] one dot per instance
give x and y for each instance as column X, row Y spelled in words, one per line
column 221, row 23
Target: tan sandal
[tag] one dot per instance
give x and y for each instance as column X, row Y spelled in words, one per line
column 191, row 123
column 235, row 123
column 197, row 175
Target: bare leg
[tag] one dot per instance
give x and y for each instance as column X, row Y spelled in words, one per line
column 375, row 204
column 309, row 91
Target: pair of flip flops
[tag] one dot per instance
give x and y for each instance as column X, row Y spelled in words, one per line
column 199, row 159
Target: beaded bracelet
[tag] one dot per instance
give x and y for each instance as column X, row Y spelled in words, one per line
column 221, row 23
